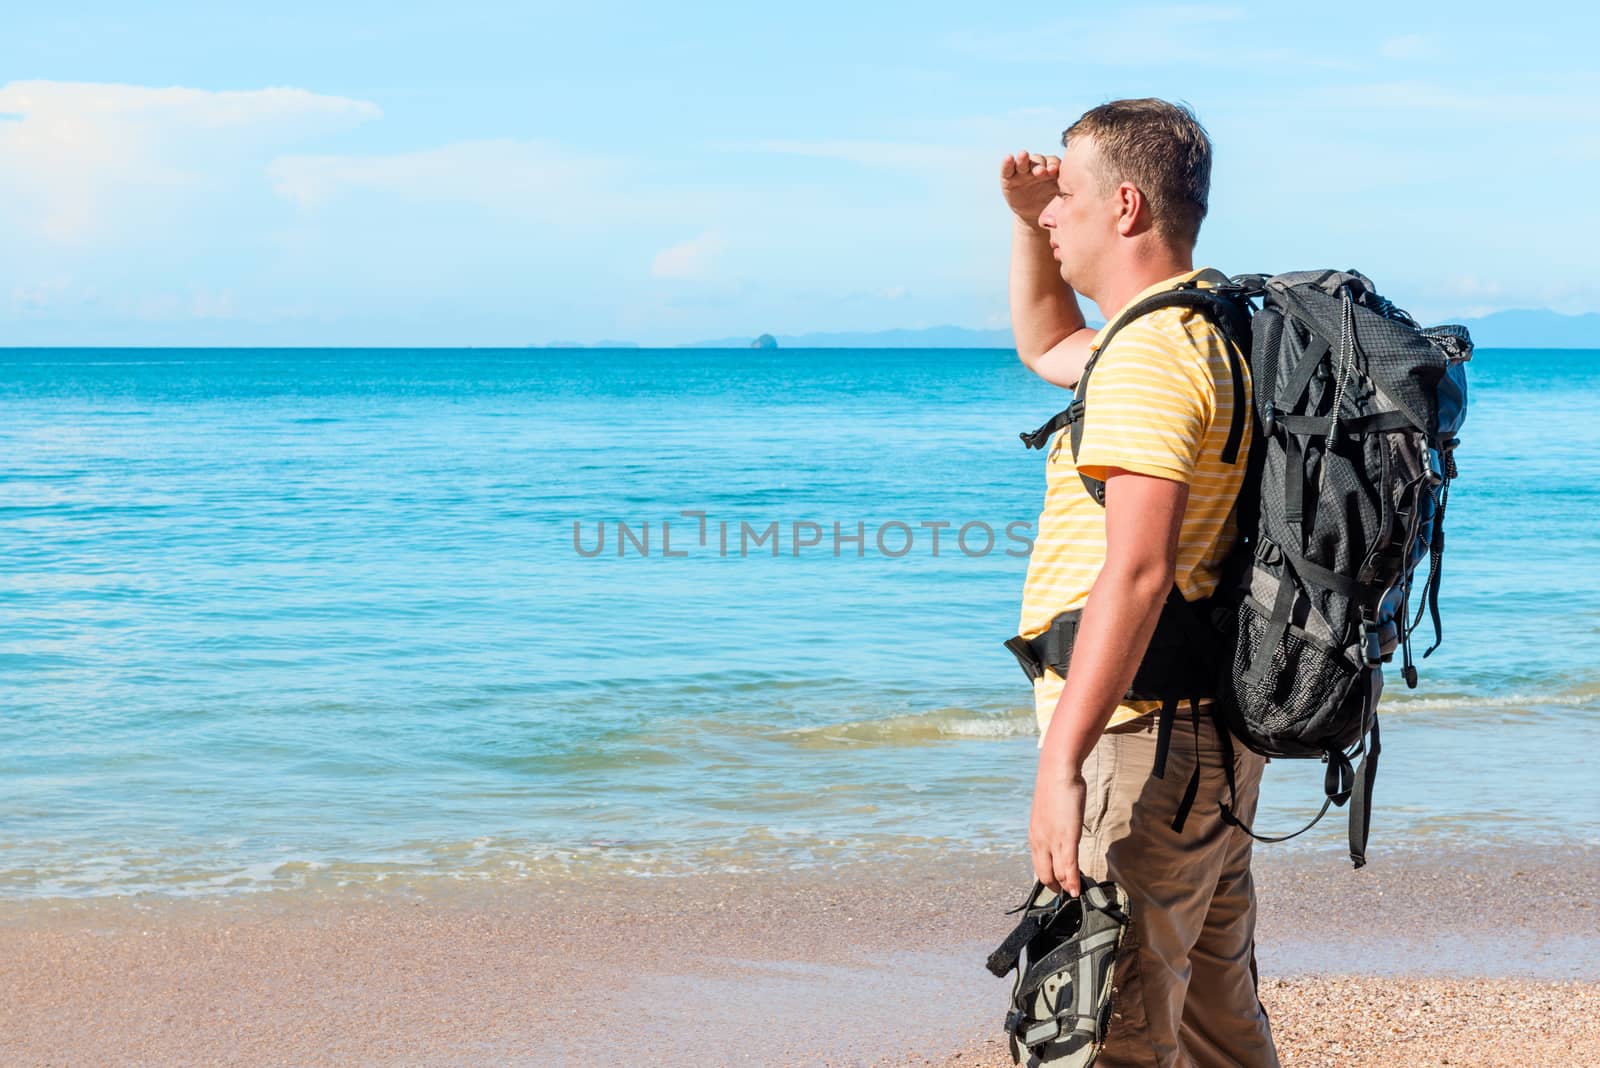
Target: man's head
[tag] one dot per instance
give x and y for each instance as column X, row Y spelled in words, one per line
column 1134, row 180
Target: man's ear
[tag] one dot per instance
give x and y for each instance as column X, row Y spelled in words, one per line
column 1132, row 212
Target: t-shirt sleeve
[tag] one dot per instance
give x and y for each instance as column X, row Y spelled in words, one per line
column 1149, row 402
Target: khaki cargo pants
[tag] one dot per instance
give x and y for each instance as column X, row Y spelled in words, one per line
column 1186, row 980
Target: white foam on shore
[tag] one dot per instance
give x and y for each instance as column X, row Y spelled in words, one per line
column 919, row 727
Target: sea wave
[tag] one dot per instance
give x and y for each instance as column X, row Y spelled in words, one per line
column 1576, row 696
column 939, row 724
column 445, row 867
column 431, row 867
column 947, row 724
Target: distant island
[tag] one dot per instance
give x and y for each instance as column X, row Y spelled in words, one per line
column 1531, row 328
column 933, row 337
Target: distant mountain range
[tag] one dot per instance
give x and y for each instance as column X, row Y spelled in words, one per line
column 1524, row 328
column 1534, row 328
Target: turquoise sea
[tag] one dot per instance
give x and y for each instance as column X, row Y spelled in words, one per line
column 309, row 618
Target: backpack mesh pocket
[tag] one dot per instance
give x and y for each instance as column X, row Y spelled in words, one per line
column 1295, row 703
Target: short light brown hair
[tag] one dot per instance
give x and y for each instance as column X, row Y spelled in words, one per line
column 1163, row 150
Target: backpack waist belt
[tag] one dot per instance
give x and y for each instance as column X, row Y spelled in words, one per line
column 1176, row 664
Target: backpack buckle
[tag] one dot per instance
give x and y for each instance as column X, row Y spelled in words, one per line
column 1371, row 639
column 1269, row 421
column 1268, row 553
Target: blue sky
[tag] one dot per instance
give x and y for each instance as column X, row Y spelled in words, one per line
column 510, row 173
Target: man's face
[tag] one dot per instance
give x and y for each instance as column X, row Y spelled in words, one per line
column 1081, row 219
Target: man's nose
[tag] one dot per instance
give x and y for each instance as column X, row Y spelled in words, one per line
column 1046, row 219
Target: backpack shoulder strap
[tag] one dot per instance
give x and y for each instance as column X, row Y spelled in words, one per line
column 1227, row 307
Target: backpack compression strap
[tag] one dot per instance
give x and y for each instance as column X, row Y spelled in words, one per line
column 1342, row 783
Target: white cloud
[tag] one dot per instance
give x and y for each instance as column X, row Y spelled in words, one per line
column 60, row 106
column 521, row 178
column 77, row 158
column 1449, row 297
column 1472, row 287
column 40, row 295
column 691, row 259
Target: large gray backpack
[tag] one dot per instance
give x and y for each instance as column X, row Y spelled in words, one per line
column 1356, row 413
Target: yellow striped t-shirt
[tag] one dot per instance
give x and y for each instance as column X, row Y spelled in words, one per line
column 1160, row 402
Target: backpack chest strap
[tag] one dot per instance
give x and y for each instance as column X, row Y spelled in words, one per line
column 1038, row 439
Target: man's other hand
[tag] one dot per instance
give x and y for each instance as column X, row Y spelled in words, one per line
column 1058, row 797
column 1028, row 182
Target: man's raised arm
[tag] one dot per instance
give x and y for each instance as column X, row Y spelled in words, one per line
column 1051, row 337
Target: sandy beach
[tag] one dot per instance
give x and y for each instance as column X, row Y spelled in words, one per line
column 1491, row 958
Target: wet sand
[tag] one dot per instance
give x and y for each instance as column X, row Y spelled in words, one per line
column 856, row 966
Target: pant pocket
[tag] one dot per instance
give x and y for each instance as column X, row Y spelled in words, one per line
column 1099, row 776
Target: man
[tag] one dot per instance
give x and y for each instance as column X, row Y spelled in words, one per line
column 1115, row 219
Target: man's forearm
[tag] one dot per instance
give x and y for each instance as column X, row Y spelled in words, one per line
column 1044, row 310
column 1113, row 633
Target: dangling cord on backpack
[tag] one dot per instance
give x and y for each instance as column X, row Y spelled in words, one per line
column 1347, row 362
column 1436, row 573
column 1408, row 668
column 1433, row 561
